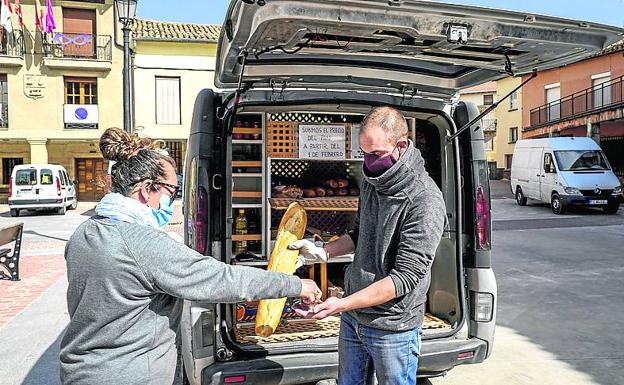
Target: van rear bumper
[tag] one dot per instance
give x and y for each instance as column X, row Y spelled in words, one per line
column 36, row 203
column 436, row 358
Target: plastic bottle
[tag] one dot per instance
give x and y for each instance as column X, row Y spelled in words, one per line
column 240, row 228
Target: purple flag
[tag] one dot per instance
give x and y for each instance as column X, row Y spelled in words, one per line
column 49, row 20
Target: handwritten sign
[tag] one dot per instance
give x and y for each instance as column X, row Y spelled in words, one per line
column 318, row 141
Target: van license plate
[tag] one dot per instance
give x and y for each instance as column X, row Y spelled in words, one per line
column 598, row 202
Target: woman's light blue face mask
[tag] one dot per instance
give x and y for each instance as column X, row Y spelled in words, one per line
column 165, row 212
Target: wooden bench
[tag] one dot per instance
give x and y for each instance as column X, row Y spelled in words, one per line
column 10, row 234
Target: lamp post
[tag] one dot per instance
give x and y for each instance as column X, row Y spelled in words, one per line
column 126, row 12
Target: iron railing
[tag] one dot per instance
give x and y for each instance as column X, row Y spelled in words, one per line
column 12, row 44
column 79, row 46
column 593, row 99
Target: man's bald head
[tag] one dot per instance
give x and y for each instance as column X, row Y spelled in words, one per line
column 388, row 119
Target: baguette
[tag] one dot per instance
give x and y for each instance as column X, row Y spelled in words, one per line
column 292, row 228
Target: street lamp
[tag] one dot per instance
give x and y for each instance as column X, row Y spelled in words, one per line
column 126, row 11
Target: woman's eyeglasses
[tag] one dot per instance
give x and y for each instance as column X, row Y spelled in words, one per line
column 173, row 193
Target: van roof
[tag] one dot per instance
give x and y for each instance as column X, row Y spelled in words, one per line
column 38, row 166
column 566, row 143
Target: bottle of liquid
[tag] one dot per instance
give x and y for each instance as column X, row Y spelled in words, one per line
column 240, row 228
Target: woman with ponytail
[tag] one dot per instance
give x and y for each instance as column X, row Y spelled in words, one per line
column 127, row 277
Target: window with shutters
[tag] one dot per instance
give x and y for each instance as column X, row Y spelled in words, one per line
column 80, row 91
column 168, row 100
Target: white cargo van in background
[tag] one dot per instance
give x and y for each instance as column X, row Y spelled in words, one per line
column 570, row 171
column 41, row 187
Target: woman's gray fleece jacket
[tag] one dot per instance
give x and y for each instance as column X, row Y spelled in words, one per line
column 125, row 281
column 397, row 230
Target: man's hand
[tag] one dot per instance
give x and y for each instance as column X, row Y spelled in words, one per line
column 309, row 253
column 310, row 293
column 331, row 306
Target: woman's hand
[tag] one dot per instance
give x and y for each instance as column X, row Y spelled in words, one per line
column 310, row 292
column 331, row 306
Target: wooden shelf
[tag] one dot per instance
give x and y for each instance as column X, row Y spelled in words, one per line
column 246, row 194
column 250, row 263
column 246, row 141
column 247, row 163
column 318, row 204
column 246, row 205
column 247, row 130
column 247, row 237
column 246, row 175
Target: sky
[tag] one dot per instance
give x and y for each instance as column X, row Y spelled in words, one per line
column 213, row 11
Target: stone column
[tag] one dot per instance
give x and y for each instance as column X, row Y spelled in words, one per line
column 38, row 150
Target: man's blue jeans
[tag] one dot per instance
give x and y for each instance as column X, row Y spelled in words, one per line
column 365, row 351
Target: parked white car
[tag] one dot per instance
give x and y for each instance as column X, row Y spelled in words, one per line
column 41, row 187
column 564, row 172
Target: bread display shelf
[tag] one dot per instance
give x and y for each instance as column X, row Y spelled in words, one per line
column 246, row 194
column 247, row 237
column 246, row 163
column 300, row 330
column 318, row 204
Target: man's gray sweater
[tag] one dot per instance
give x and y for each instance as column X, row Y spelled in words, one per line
column 125, row 281
column 397, row 231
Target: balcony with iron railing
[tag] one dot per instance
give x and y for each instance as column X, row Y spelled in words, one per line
column 601, row 97
column 78, row 51
column 11, row 48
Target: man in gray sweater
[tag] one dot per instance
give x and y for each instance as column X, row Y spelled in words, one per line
column 397, row 230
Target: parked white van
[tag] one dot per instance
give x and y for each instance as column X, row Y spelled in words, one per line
column 564, row 172
column 41, row 187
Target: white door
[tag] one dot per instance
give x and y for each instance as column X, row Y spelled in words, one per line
column 548, row 178
column 535, row 173
column 553, row 96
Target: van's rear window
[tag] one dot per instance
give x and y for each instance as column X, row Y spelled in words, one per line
column 46, row 176
column 26, row 177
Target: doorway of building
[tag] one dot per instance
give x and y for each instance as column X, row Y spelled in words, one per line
column 91, row 177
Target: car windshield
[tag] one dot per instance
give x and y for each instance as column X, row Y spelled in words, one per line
column 26, row 177
column 576, row 160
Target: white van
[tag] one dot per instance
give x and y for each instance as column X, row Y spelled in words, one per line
column 41, row 187
column 283, row 65
column 564, row 172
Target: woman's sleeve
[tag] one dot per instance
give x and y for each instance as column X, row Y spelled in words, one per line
column 180, row 271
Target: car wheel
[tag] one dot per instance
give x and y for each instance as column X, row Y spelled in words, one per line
column 15, row 212
column 74, row 204
column 611, row 208
column 521, row 200
column 62, row 210
column 556, row 204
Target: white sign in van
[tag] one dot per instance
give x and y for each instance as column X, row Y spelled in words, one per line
column 322, row 141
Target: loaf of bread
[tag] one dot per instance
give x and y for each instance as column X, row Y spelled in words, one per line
column 320, row 192
column 309, row 193
column 293, row 192
column 354, row 192
column 342, row 183
column 342, row 192
column 331, row 183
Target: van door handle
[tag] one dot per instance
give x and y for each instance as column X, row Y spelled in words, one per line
column 214, row 182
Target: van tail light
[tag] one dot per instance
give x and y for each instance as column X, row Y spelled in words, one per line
column 482, row 306
column 10, row 187
column 58, row 186
column 200, row 221
column 234, row 379
column 483, row 218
